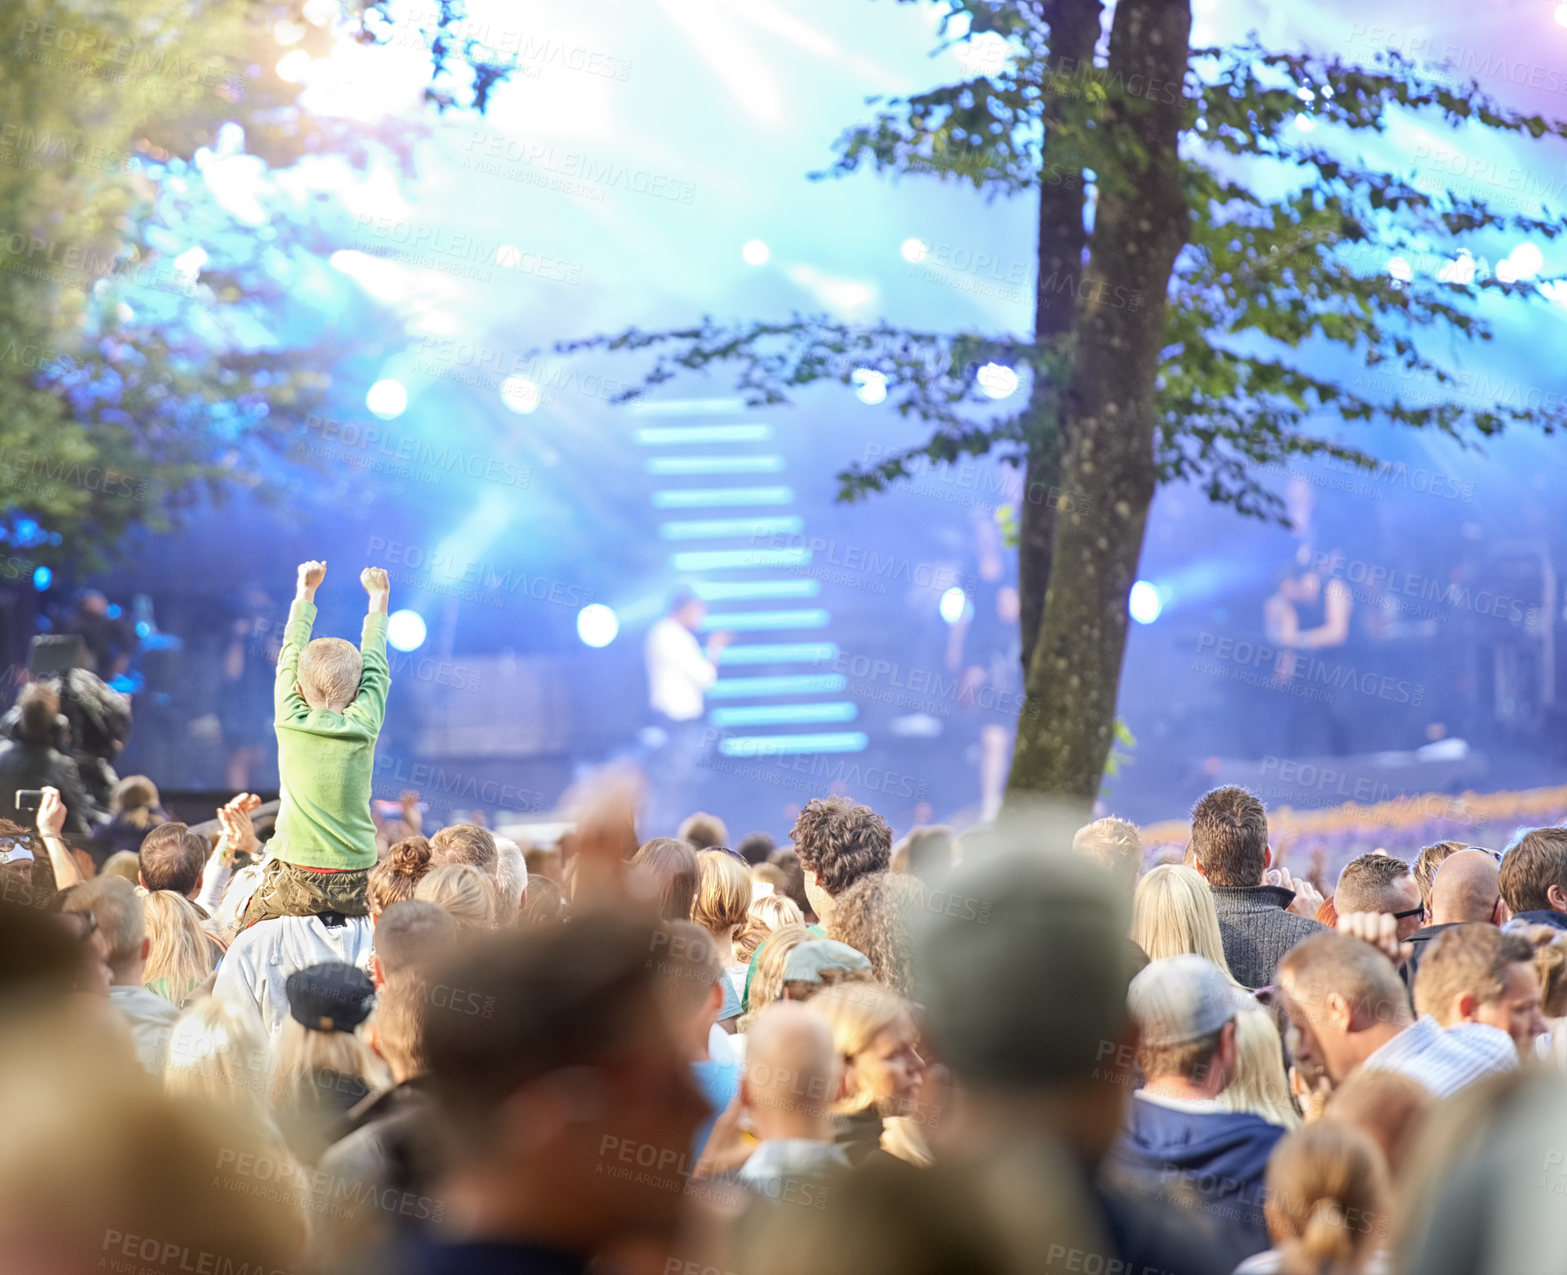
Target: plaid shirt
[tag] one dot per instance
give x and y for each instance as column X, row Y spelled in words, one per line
column 1445, row 1060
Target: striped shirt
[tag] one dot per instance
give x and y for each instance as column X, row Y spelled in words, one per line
column 1445, row 1060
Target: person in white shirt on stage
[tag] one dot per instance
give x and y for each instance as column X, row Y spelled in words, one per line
column 679, row 671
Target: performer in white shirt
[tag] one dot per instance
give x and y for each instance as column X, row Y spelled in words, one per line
column 679, row 671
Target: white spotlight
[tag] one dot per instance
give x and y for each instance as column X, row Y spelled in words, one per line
column 1144, row 603
column 405, row 630
column 520, row 394
column 755, row 252
column 597, row 624
column 387, row 399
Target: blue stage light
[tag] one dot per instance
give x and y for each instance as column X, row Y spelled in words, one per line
column 597, row 624
column 405, row 630
column 42, row 577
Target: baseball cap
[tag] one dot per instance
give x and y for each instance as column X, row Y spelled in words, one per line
column 811, row 959
column 1182, row 998
column 331, row 997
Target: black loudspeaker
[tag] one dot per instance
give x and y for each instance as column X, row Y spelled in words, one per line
column 57, row 653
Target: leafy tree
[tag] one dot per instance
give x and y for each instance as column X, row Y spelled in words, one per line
column 1208, row 272
column 135, row 379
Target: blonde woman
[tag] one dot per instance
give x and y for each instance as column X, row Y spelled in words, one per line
column 874, row 1032
column 767, row 970
column 1261, row 1084
column 768, row 913
column 181, row 957
column 322, row 1066
column 1173, row 913
column 464, row 891
column 723, row 903
column 1326, row 1205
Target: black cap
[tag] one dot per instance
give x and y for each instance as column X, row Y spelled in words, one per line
column 331, row 997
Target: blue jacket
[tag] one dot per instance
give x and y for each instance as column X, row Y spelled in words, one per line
column 1209, row 1162
column 1543, row 916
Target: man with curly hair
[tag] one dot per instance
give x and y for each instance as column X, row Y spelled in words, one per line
column 838, row 842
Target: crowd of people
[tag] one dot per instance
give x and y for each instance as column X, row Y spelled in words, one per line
column 354, row 1045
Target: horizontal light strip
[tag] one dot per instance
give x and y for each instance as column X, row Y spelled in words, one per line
column 714, row 464
column 716, row 559
column 784, row 714
column 749, row 621
column 783, row 684
column 779, row 653
column 852, row 741
column 687, row 406
column 712, row 497
column 655, row 435
column 720, row 528
column 734, row 590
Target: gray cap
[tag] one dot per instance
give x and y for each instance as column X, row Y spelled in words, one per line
column 1182, row 998
column 808, row 961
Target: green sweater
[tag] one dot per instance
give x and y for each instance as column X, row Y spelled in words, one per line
column 326, row 760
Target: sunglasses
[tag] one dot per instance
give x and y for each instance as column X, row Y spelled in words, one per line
column 1407, row 913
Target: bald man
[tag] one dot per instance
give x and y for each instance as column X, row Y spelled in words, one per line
column 1465, row 889
column 792, row 1077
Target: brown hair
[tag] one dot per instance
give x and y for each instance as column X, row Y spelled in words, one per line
column 465, row 843
column 171, row 858
column 39, row 706
column 399, row 1023
column 841, row 842
column 928, row 853
column 672, row 867
column 396, row 877
column 551, row 997
column 1190, row 1058
column 1365, row 884
column 1472, row 958
column 329, row 671
column 1387, row 1105
column 1114, row 845
column 412, row 934
column 1428, row 861
column 703, row 831
column 875, row 916
column 787, row 861
column 1327, row 1189
column 1230, row 836
column 723, row 896
column 1537, row 862
column 1550, row 963
column 685, row 960
column 136, row 798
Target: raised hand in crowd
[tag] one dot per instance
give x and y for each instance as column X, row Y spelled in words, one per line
column 1380, row 929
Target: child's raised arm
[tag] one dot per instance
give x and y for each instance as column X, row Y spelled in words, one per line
column 286, row 699
column 375, row 677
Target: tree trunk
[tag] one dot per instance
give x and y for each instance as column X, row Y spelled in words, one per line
column 1108, row 413
column 1074, row 29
